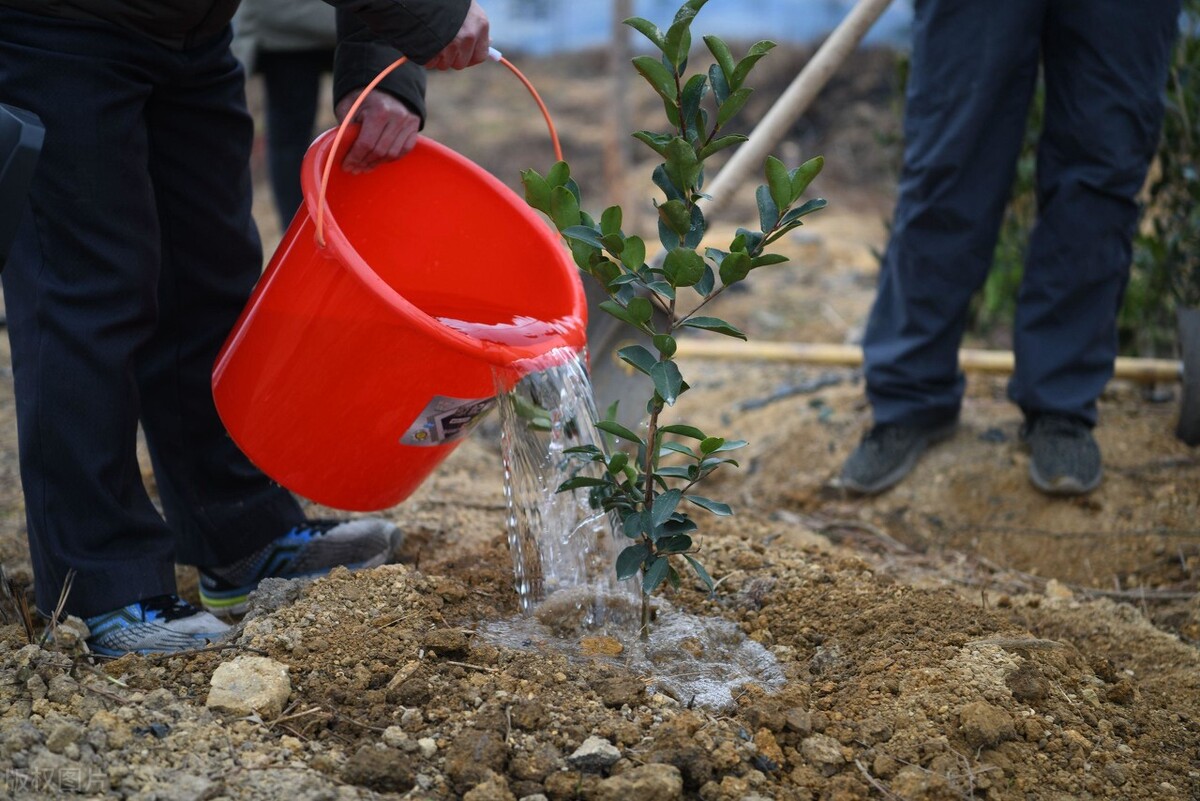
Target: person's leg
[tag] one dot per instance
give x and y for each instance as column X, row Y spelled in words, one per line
column 292, row 80
column 1105, row 67
column 79, row 290
column 219, row 505
column 974, row 67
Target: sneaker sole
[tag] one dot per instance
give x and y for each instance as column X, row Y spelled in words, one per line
column 1063, row 486
column 231, row 603
column 893, row 478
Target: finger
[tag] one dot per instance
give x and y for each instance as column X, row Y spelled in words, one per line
column 361, row 154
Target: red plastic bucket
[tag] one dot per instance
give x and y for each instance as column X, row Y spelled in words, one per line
column 358, row 366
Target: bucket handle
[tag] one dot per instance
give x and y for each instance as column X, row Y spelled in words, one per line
column 493, row 54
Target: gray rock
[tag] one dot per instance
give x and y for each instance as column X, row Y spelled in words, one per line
column 248, row 685
column 595, row 755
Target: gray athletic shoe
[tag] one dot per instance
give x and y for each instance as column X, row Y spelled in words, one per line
column 888, row 453
column 164, row 624
column 1065, row 457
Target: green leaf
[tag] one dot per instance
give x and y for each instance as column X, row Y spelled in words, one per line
column 590, row 450
column 667, row 381
column 641, row 310
column 654, row 574
column 656, row 141
column 716, row 507
column 720, row 84
column 610, row 221
column 678, row 41
column 618, row 430
column 666, row 345
column 632, row 525
column 693, row 94
column 719, row 144
column 679, row 447
column 683, row 267
column 620, row 312
column 744, row 66
column 639, row 357
column 711, row 444
column 618, row 461
column 731, row 445
column 768, row 212
column 676, row 216
column 537, row 191
column 684, row 431
column 716, row 325
column 706, row 284
column 582, row 233
column 663, row 182
column 664, row 507
column 658, row 76
column 559, row 175
column 702, row 573
column 779, row 183
column 676, row 543
column 646, row 28
column 582, row 481
column 634, row 254
column 803, row 175
column 729, row 109
column 675, row 472
column 564, row 208
column 735, row 267
column 629, row 561
column 662, row 289
column 816, row 204
column 723, row 55
column 682, row 166
column 768, row 259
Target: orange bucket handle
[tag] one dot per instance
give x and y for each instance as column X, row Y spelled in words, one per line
column 493, row 54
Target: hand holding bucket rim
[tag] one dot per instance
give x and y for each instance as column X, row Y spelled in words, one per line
column 493, row 54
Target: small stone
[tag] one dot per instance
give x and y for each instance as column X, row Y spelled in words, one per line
column 823, row 751
column 644, row 783
column 984, row 725
column 449, row 643
column 249, row 685
column 493, row 788
column 595, row 755
column 63, row 735
column 427, row 746
column 394, row 736
column 1057, row 591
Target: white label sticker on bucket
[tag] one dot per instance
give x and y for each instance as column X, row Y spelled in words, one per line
column 446, row 419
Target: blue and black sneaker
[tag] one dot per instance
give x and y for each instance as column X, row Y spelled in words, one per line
column 163, row 624
column 308, row 550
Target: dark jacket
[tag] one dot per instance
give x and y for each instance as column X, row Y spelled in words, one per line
column 370, row 31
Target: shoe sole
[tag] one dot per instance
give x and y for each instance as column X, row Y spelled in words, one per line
column 1063, row 486
column 237, row 601
column 893, row 478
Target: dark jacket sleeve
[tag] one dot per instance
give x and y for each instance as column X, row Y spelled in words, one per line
column 360, row 56
column 420, row 29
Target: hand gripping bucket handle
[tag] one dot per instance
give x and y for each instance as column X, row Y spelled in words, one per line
column 395, row 302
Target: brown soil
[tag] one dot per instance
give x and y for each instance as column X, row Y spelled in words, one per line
column 961, row 636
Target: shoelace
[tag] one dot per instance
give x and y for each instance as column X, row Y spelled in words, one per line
column 166, row 607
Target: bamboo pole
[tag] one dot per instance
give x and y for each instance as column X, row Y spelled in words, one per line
column 1142, row 371
column 793, row 102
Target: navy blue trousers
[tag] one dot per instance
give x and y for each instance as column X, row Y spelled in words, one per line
column 974, row 70
column 135, row 255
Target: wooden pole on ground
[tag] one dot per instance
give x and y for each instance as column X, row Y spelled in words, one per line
column 1143, row 371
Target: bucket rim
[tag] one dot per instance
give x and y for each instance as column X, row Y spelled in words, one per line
column 340, row 249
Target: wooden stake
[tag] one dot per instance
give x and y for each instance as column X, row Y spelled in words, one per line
column 1143, row 371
